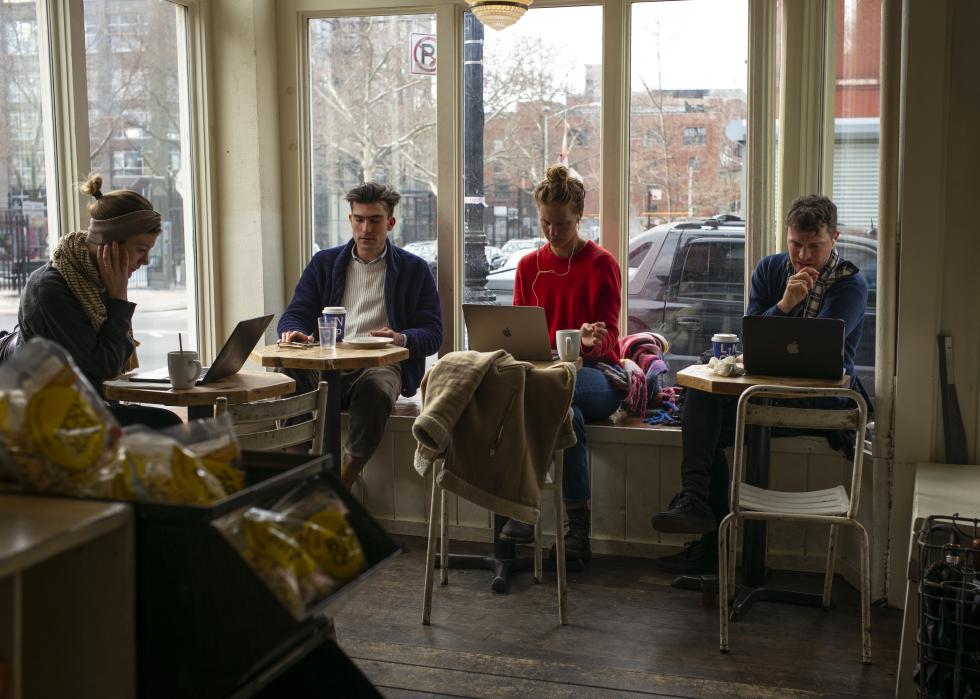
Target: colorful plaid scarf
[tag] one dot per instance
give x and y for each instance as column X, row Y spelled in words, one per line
column 835, row 269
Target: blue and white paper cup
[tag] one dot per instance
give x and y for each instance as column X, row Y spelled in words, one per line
column 724, row 345
column 339, row 313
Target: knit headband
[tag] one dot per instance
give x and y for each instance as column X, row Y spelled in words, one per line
column 120, row 228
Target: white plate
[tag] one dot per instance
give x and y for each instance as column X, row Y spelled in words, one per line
column 368, row 341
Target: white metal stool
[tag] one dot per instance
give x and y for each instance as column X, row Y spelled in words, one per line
column 832, row 506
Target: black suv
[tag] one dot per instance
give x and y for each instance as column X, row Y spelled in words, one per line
column 686, row 281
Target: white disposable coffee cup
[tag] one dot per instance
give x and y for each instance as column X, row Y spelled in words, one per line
column 339, row 314
column 184, row 368
column 568, row 344
column 724, row 344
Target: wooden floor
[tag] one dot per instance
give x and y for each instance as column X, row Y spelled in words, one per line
column 630, row 635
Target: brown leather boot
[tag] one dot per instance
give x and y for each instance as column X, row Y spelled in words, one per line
column 577, row 543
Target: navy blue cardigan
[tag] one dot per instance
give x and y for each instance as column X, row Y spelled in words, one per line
column 845, row 300
column 411, row 302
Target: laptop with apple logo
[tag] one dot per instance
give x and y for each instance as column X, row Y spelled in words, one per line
column 804, row 348
column 520, row 330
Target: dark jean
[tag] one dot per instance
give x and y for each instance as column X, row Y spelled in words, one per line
column 154, row 418
column 367, row 395
column 708, row 428
column 595, row 399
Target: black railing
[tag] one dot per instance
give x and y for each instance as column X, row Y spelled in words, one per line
column 23, row 247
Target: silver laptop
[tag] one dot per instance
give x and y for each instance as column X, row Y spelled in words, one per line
column 520, row 330
column 804, row 348
column 229, row 360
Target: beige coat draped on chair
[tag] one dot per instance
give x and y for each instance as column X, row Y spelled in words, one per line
column 494, row 422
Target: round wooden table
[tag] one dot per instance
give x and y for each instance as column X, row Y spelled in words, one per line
column 243, row 387
column 330, row 363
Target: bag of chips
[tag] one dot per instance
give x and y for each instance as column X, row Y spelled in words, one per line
column 266, row 542
column 56, row 433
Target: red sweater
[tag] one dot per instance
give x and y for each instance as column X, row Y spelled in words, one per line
column 587, row 293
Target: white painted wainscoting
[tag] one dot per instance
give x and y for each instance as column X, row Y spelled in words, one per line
column 634, row 473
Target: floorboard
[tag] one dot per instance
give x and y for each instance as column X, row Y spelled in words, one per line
column 630, row 635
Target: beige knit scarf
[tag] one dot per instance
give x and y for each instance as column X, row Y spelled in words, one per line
column 74, row 262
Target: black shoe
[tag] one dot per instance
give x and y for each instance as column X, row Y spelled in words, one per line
column 516, row 532
column 577, row 543
column 686, row 514
column 698, row 558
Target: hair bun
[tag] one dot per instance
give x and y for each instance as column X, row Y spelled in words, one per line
column 557, row 174
column 93, row 186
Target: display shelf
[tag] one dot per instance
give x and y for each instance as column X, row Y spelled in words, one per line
column 66, row 597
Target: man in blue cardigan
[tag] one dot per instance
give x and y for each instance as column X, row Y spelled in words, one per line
column 387, row 292
column 810, row 280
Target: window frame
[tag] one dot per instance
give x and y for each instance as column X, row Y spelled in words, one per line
column 61, row 35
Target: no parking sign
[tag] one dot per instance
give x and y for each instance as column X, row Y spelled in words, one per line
column 423, row 48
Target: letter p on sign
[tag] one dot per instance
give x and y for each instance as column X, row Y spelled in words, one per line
column 423, row 54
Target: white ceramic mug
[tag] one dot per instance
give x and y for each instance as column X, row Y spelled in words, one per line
column 568, row 343
column 184, row 368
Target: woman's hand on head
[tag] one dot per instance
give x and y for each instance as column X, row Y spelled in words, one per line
column 112, row 261
column 593, row 334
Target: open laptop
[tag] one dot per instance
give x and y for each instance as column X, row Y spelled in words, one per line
column 805, row 348
column 229, row 360
column 520, row 330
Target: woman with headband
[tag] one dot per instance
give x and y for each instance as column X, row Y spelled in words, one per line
column 80, row 298
column 578, row 284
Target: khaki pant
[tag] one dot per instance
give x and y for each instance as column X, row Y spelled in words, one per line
column 367, row 395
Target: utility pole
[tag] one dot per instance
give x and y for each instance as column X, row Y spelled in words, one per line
column 475, row 266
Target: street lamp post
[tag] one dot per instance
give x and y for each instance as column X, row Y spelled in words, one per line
column 475, row 266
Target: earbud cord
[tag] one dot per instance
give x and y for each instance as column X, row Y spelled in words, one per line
column 537, row 262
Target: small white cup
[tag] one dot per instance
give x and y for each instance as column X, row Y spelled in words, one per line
column 184, row 368
column 568, row 343
column 327, row 330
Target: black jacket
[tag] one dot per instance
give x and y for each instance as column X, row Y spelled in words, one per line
column 49, row 309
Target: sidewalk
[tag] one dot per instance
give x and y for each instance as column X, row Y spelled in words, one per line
column 146, row 300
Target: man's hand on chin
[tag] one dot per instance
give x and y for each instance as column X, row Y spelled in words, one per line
column 398, row 337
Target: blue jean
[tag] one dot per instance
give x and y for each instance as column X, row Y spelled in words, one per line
column 595, row 399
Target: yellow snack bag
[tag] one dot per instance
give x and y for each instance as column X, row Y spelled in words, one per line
column 196, row 483
column 56, row 433
column 332, row 543
column 65, row 428
column 266, row 538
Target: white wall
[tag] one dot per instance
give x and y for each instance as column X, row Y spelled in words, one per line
column 939, row 290
column 247, row 183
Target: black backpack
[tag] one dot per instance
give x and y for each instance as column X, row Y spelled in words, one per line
column 8, row 342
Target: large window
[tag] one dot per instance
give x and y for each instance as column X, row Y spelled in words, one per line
column 855, row 153
column 139, row 139
column 535, row 98
column 373, row 117
column 23, row 194
column 531, row 95
column 687, row 164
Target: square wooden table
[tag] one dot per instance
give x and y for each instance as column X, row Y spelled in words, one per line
column 330, row 363
column 243, row 387
column 753, row 572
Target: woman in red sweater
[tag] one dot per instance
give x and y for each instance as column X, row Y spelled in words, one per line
column 577, row 283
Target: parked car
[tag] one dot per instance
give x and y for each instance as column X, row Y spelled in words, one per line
column 428, row 251
column 515, row 244
column 686, row 280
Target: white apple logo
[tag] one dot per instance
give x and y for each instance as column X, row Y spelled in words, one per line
column 793, row 347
